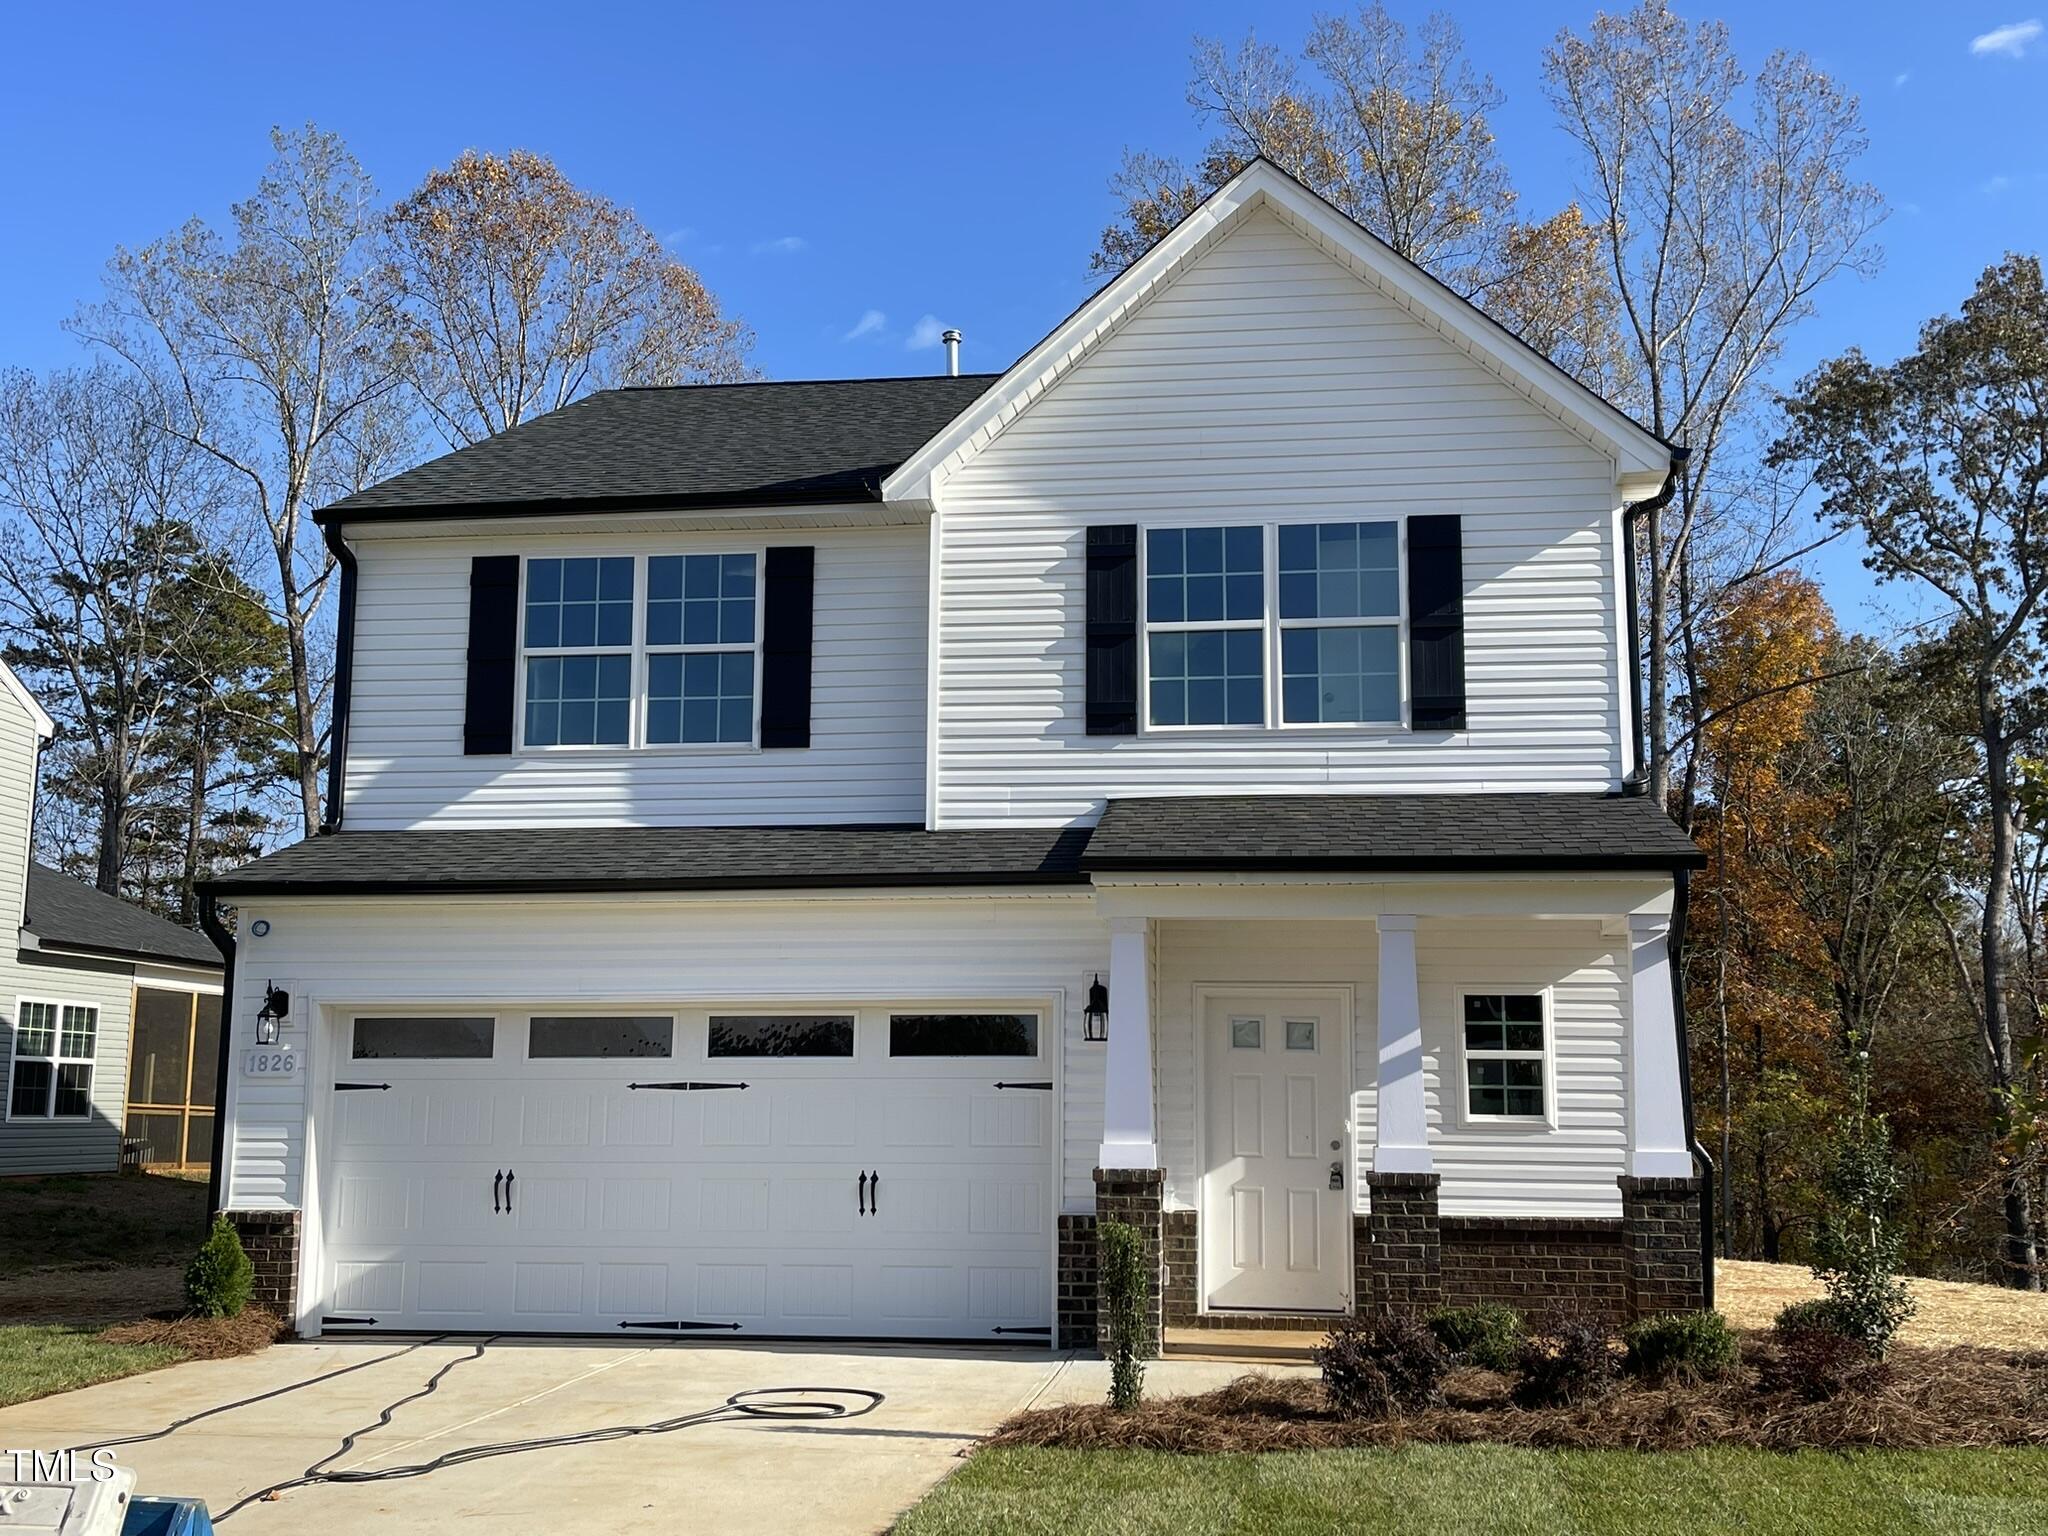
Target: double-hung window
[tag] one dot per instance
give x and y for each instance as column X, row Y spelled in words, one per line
column 1505, row 1055
column 632, row 651
column 54, row 1045
column 1340, row 623
column 1205, row 626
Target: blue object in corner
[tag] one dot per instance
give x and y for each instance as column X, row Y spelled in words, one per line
column 167, row 1517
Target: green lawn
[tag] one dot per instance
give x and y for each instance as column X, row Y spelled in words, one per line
column 112, row 1220
column 37, row 1360
column 1492, row 1491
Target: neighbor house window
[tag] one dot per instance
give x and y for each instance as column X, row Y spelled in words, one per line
column 1326, row 629
column 1505, row 1055
column 54, row 1044
column 624, row 651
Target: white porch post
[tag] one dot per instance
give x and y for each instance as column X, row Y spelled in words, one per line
column 1657, row 1140
column 1129, row 1139
column 1402, row 1144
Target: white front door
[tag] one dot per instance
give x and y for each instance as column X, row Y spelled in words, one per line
column 1276, row 1203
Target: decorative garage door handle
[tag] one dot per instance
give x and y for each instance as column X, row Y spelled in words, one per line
column 863, row 1194
column 874, row 1194
column 497, row 1184
column 509, row 1177
column 687, row 1087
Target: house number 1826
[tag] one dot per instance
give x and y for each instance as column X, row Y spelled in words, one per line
column 270, row 1062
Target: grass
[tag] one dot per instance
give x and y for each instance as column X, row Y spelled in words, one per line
column 99, row 1220
column 1492, row 1491
column 37, row 1360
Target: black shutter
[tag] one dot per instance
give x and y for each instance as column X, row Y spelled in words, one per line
column 786, row 647
column 1436, row 623
column 493, row 652
column 1113, row 630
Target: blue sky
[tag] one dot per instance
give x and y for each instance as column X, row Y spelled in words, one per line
column 821, row 165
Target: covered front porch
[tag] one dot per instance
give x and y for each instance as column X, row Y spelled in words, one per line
column 1324, row 1093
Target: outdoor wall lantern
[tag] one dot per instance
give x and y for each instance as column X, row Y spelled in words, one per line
column 1095, row 1017
column 277, row 1003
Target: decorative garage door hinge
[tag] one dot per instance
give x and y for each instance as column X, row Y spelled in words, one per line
column 353, row 1322
column 682, row 1324
column 362, row 1087
column 1041, row 1087
column 687, row 1087
column 1041, row 1331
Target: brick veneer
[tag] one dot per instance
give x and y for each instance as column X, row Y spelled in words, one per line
column 271, row 1239
column 1074, row 1319
column 1533, row 1262
column 1660, row 1221
column 1404, row 1241
column 1180, row 1305
column 1134, row 1195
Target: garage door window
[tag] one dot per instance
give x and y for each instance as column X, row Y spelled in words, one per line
column 424, row 1039
column 600, row 1038
column 781, row 1034
column 963, row 1034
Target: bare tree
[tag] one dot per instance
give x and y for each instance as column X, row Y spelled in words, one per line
column 279, row 355
column 1725, row 203
column 522, row 291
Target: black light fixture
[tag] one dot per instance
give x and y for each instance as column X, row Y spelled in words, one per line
column 277, row 1003
column 1095, row 1017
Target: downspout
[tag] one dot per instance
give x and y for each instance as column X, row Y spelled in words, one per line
column 216, row 930
column 344, row 669
column 1681, row 880
column 1638, row 782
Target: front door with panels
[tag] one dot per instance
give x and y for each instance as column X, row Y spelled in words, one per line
column 1276, row 1198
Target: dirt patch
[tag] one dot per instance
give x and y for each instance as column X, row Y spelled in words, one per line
column 1920, row 1399
column 1749, row 1295
column 203, row 1338
column 101, row 1220
column 91, row 1296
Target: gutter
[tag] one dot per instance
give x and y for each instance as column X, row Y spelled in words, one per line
column 1675, row 944
column 1638, row 782
column 216, row 930
column 344, row 670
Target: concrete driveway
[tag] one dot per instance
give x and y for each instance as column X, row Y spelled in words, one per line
column 733, row 1475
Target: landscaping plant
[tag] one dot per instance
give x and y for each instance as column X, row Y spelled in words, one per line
column 1685, row 1346
column 1858, row 1247
column 1126, row 1289
column 1376, row 1365
column 1487, row 1335
column 1567, row 1359
column 220, row 1276
column 1816, row 1350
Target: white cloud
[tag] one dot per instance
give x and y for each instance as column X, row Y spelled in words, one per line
column 678, row 236
column 2012, row 39
column 870, row 322
column 781, row 245
column 1901, row 78
column 925, row 334
column 1994, row 185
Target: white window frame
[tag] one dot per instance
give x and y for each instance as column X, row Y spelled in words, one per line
column 1271, row 626
column 639, row 652
column 1547, row 1121
column 57, row 1060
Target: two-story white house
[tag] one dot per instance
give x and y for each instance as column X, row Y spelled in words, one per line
column 800, row 852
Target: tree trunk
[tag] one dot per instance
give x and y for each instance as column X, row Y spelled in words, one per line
column 2022, row 1268
column 113, row 832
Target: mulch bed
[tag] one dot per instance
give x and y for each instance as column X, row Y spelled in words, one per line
column 203, row 1338
column 1919, row 1399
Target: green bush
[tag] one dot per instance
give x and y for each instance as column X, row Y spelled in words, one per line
column 1376, row 1365
column 1858, row 1248
column 1488, row 1335
column 1690, row 1346
column 220, row 1276
column 1126, row 1290
column 1567, row 1359
column 1818, row 1351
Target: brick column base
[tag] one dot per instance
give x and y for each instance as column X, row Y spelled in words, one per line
column 1404, row 1241
column 1074, row 1318
column 271, row 1239
column 1134, row 1195
column 1660, row 1221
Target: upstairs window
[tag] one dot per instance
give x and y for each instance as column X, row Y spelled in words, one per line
column 1205, row 626
column 1340, row 623
column 579, row 652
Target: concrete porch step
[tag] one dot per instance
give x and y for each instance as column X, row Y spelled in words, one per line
column 1296, row 1346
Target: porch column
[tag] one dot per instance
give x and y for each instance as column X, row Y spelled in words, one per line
column 1657, row 1141
column 1402, row 1136
column 1129, row 1139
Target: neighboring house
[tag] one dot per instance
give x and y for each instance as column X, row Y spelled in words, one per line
column 112, row 1014
column 742, row 791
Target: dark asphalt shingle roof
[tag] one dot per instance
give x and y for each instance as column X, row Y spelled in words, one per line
column 72, row 914
column 690, row 446
column 1390, row 832
column 662, row 859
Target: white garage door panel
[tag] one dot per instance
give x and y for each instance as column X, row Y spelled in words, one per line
column 727, row 1206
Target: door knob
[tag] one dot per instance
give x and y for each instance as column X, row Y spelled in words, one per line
column 1336, row 1173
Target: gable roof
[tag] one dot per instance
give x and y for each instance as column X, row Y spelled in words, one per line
column 69, row 914
column 693, row 445
column 1642, row 459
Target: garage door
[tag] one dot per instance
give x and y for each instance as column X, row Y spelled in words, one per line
column 858, row 1172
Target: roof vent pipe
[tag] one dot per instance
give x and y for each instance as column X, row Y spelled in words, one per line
column 952, row 341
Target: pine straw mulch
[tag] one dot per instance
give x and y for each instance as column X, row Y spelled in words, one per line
column 1920, row 1399
column 202, row 1338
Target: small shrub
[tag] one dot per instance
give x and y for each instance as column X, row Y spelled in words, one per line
column 1375, row 1366
column 1120, row 1250
column 1567, row 1359
column 1817, row 1350
column 1687, row 1346
column 220, row 1276
column 1858, row 1247
column 1487, row 1335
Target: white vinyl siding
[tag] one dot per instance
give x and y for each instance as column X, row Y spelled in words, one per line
column 1266, row 383
column 406, row 767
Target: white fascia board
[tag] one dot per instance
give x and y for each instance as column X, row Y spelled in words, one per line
column 45, row 726
column 1641, row 461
